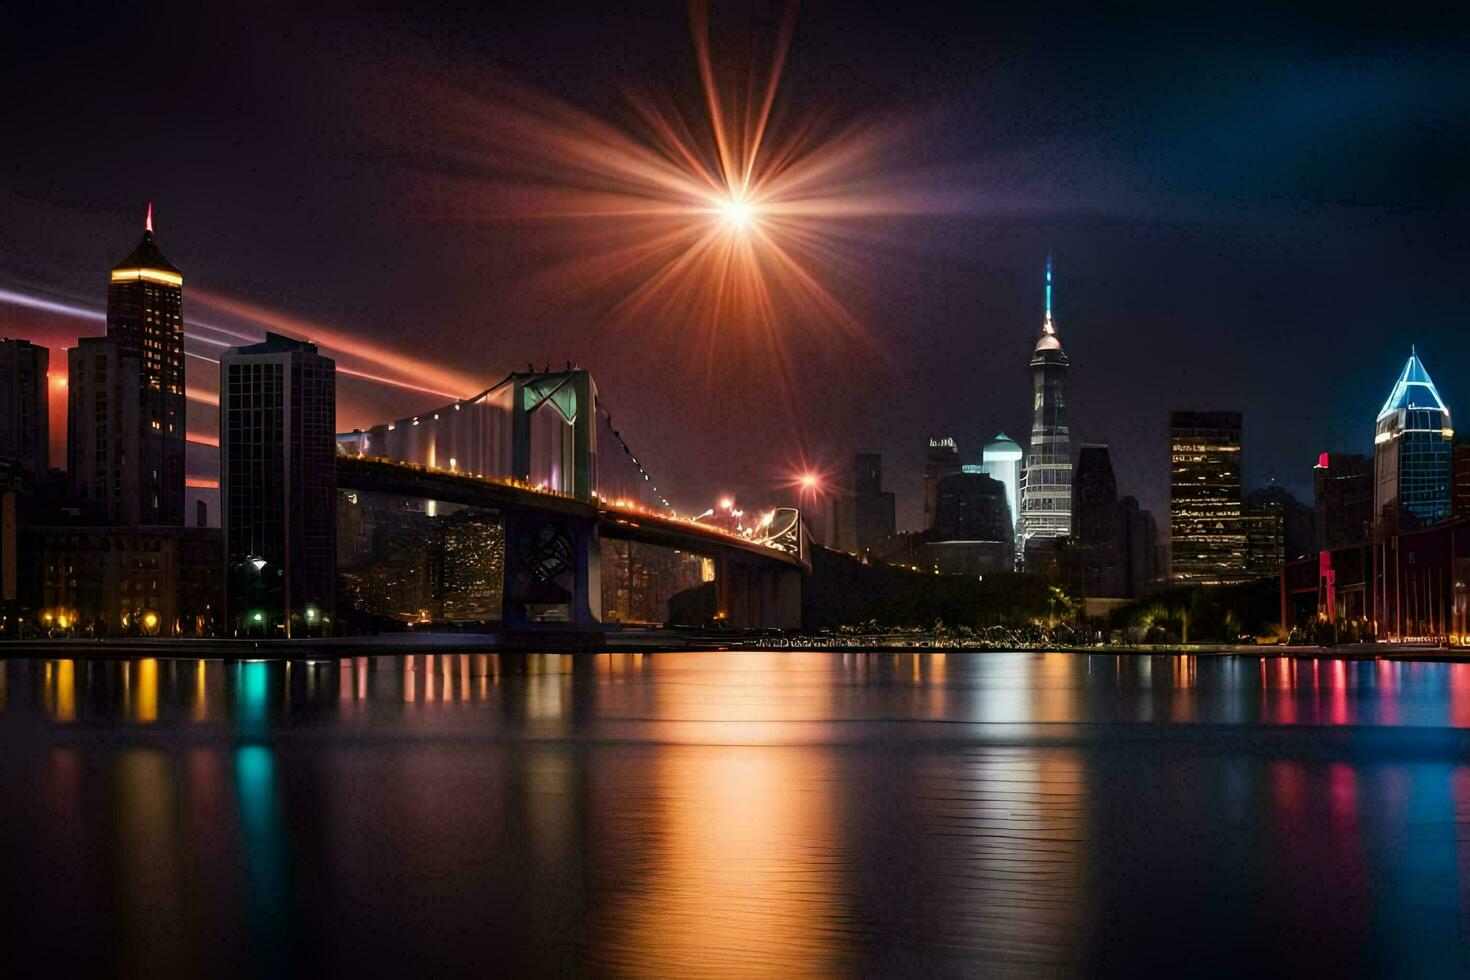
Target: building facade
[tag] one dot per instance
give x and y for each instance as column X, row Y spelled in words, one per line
column 25, row 414
column 1046, row 479
column 1140, row 533
column 1206, row 527
column 941, row 459
column 102, row 580
column 863, row 514
column 1342, row 510
column 278, row 487
column 972, row 533
column 1093, row 559
column 126, row 424
column 1412, row 454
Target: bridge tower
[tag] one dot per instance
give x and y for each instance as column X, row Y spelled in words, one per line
column 572, row 394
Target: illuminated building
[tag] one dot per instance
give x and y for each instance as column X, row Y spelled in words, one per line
column 1046, row 480
column 1412, row 491
column 1342, row 512
column 941, row 460
column 107, row 580
column 25, row 416
column 126, row 416
column 1411, row 454
column 1001, row 459
column 278, row 486
column 973, row 530
column 407, row 559
column 644, row 583
column 1206, row 528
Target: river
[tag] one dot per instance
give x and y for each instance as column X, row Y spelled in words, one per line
column 751, row 813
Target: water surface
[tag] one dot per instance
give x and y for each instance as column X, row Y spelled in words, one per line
column 1008, row 814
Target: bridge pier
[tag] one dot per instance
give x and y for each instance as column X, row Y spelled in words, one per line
column 551, row 560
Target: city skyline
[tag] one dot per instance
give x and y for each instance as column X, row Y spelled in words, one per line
column 1207, row 276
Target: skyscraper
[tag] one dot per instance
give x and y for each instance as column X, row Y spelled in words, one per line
column 25, row 417
column 278, row 486
column 1095, row 514
column 1046, row 481
column 941, row 460
column 863, row 516
column 1412, row 454
column 973, row 531
column 126, row 423
column 1002, row 461
column 1094, row 555
column 1208, row 539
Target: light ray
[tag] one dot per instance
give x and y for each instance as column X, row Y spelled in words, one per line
column 735, row 223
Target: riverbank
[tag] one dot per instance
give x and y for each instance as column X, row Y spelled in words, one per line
column 560, row 640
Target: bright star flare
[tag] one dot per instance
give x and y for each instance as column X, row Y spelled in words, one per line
column 739, row 225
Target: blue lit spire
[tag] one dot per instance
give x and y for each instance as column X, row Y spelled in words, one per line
column 1049, row 340
column 1414, row 389
column 1046, row 326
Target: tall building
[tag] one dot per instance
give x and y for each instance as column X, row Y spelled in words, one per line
column 1002, row 460
column 1095, row 503
column 1046, row 480
column 126, row 422
column 25, row 416
column 864, row 515
column 1342, row 511
column 1412, row 454
column 278, row 483
column 1093, row 558
column 1206, row 528
column 1140, row 536
column 941, row 460
column 973, row 531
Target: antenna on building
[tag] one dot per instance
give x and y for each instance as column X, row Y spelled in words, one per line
column 1046, row 324
column 148, row 222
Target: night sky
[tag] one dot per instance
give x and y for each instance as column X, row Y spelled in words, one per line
column 1253, row 211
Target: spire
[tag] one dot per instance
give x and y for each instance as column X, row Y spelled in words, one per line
column 148, row 222
column 1049, row 340
column 1046, row 324
column 1414, row 389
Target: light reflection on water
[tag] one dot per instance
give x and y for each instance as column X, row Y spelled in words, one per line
column 740, row 813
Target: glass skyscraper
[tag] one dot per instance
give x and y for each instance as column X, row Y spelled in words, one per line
column 1206, row 527
column 1412, row 451
column 1046, row 480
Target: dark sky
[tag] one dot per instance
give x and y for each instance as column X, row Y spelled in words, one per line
column 1257, row 211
